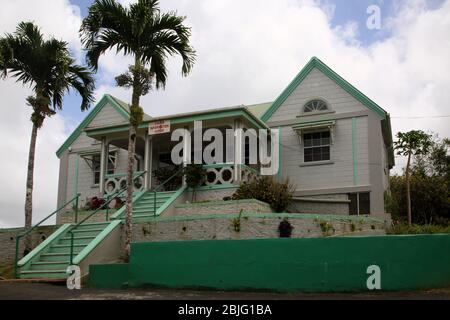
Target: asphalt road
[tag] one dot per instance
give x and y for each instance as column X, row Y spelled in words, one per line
column 46, row 291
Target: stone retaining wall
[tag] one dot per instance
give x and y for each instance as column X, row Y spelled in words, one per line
column 219, row 207
column 8, row 241
column 69, row 217
column 252, row 226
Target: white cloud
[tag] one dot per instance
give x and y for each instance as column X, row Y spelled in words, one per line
column 248, row 51
column 62, row 20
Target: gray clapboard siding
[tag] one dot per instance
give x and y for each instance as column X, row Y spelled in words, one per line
column 317, row 85
column 106, row 117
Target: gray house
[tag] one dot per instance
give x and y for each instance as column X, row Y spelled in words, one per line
column 335, row 147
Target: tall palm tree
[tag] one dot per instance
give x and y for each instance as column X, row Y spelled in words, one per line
column 48, row 68
column 143, row 32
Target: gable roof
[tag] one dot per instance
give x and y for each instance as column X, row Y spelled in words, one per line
column 259, row 109
column 121, row 107
column 316, row 63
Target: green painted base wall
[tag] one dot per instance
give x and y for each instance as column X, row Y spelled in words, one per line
column 309, row 265
column 112, row 276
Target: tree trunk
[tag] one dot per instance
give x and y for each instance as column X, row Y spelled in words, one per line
column 29, row 188
column 134, row 123
column 129, row 198
column 408, row 191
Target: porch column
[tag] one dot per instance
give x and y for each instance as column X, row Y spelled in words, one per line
column 186, row 150
column 237, row 150
column 148, row 162
column 103, row 164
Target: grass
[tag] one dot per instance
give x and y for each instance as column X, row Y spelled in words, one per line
column 7, row 271
column 418, row 229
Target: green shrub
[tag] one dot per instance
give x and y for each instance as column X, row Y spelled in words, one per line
column 195, row 176
column 267, row 189
column 403, row 228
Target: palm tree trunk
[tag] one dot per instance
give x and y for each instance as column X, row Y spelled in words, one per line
column 408, row 190
column 131, row 151
column 129, row 198
column 29, row 188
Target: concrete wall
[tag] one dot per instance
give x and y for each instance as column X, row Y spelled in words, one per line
column 8, row 241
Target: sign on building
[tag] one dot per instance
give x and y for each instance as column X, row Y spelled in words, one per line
column 158, row 127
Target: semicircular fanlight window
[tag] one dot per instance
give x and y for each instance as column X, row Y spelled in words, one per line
column 315, row 106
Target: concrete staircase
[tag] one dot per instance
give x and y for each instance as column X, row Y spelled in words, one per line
column 51, row 258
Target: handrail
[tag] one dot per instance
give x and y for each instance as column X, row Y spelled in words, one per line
column 18, row 237
column 161, row 185
column 112, row 197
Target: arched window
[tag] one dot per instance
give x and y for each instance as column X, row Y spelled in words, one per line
column 315, row 106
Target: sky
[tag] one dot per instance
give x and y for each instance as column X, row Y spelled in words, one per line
column 247, row 52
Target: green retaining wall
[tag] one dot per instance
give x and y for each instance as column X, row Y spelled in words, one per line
column 112, row 276
column 310, row 265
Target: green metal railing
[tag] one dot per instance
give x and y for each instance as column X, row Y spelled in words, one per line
column 110, row 198
column 27, row 232
column 156, row 189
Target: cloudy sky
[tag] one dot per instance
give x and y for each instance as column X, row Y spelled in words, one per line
column 247, row 52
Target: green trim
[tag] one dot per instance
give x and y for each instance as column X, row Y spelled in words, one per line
column 169, row 201
column 326, row 217
column 122, row 174
column 98, row 107
column 355, row 152
column 36, row 251
column 216, row 187
column 208, row 115
column 305, row 125
column 77, row 168
column 316, row 63
column 96, row 241
column 220, row 203
column 280, row 154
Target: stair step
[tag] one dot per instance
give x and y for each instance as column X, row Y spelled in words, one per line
column 87, row 230
column 66, row 248
column 49, row 265
column 54, row 274
column 77, row 238
column 92, row 225
column 67, row 245
column 56, row 256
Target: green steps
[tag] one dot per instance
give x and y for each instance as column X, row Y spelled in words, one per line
column 52, row 262
column 145, row 206
column 52, row 259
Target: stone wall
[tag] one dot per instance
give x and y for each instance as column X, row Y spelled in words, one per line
column 69, row 217
column 252, row 226
column 221, row 207
column 8, row 241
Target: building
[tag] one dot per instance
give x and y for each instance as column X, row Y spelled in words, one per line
column 335, row 145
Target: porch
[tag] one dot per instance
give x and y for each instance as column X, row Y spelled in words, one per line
column 154, row 152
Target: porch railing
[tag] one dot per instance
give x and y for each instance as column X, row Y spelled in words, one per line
column 115, row 182
column 224, row 173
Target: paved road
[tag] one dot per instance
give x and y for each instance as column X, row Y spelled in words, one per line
column 44, row 291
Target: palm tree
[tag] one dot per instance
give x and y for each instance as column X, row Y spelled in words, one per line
column 47, row 67
column 143, row 32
